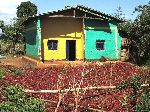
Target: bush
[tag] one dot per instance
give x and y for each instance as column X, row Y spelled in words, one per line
column 2, row 72
column 139, row 96
column 33, row 105
column 13, row 70
column 19, row 72
column 147, row 63
column 19, row 53
column 7, row 107
column 17, row 101
column 144, row 103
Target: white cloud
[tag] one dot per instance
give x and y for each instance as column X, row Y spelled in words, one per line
column 8, row 9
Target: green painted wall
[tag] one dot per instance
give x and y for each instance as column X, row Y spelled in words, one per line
column 31, row 39
column 39, row 38
column 102, row 30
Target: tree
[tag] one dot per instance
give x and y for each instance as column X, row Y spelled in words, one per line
column 139, row 34
column 119, row 13
column 13, row 33
column 143, row 24
column 26, row 9
column 1, row 28
column 1, row 23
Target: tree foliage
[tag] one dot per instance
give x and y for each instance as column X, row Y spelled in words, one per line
column 139, row 34
column 1, row 24
column 26, row 9
column 119, row 13
column 13, row 33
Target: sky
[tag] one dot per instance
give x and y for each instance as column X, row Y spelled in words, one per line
column 8, row 7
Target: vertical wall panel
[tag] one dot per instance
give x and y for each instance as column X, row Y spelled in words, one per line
column 101, row 30
column 31, row 39
column 39, row 38
column 62, row 29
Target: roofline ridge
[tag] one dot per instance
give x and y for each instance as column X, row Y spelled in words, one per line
column 82, row 8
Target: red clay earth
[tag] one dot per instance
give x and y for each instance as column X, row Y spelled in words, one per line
column 88, row 75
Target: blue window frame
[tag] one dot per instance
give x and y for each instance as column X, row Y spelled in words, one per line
column 52, row 44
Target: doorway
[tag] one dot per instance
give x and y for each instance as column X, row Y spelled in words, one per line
column 70, row 50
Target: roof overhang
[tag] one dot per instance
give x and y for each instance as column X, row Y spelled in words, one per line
column 87, row 11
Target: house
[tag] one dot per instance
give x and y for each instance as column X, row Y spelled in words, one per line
column 73, row 33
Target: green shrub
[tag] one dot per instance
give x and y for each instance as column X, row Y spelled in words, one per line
column 140, row 96
column 17, row 101
column 7, row 107
column 144, row 104
column 33, row 105
column 19, row 72
column 19, row 52
column 147, row 63
column 15, row 94
column 2, row 72
column 15, row 71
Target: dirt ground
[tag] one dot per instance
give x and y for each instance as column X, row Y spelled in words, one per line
column 29, row 62
column 15, row 61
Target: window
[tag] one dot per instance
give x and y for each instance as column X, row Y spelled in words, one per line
column 52, row 44
column 100, row 44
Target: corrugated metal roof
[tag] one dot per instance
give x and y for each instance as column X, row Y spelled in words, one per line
column 84, row 9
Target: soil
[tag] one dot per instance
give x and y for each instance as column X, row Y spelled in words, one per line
column 29, row 62
column 15, row 61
